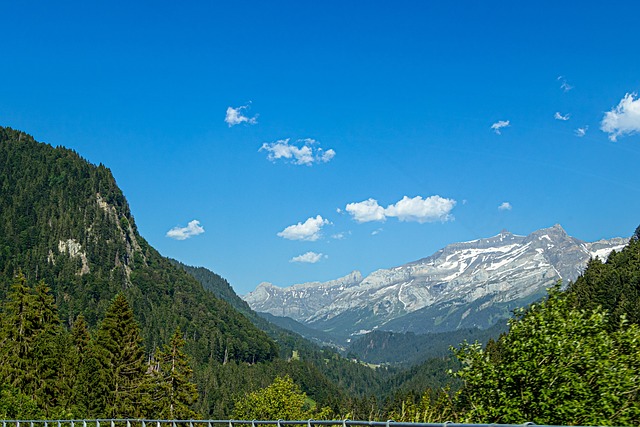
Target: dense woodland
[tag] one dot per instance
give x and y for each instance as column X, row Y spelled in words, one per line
column 95, row 323
column 66, row 224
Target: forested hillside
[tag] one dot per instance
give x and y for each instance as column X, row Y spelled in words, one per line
column 67, row 232
column 65, row 221
column 352, row 381
column 412, row 349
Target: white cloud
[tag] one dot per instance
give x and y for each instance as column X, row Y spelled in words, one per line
column 183, row 233
column 327, row 155
column 431, row 209
column 235, row 116
column 559, row 116
column 580, row 132
column 340, row 236
column 505, row 206
column 308, row 258
column 417, row 209
column 623, row 119
column 499, row 125
column 304, row 153
column 566, row 87
column 310, row 230
column 366, row 211
column 376, row 231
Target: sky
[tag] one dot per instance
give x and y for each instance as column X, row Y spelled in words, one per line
column 297, row 141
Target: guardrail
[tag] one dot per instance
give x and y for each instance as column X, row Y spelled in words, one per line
column 238, row 423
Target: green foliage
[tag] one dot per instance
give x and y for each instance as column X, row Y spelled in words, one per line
column 557, row 365
column 122, row 361
column 32, row 343
column 433, row 407
column 283, row 399
column 173, row 393
column 15, row 405
column 410, row 348
column 613, row 285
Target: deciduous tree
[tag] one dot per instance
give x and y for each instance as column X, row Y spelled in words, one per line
column 557, row 365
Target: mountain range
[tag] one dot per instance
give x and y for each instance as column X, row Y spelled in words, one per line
column 464, row 285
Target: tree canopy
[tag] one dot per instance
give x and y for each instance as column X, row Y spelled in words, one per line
column 557, row 365
column 283, row 399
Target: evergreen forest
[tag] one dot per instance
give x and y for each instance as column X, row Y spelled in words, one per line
column 95, row 323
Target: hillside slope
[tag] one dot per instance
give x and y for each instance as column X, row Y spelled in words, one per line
column 66, row 221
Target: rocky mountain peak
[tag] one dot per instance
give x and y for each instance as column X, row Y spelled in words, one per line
column 466, row 284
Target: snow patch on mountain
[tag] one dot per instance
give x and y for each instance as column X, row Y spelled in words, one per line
column 462, row 285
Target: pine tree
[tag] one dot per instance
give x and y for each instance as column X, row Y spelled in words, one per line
column 50, row 346
column 32, row 344
column 173, row 392
column 80, row 334
column 121, row 358
column 88, row 387
column 17, row 334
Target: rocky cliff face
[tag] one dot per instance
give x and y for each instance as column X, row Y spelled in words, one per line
column 463, row 285
column 300, row 302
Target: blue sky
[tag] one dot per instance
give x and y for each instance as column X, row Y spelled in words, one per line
column 408, row 125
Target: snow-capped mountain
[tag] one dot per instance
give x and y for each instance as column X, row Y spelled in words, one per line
column 465, row 284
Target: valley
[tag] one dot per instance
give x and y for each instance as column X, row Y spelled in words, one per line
column 472, row 284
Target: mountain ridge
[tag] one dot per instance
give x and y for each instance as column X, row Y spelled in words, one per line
column 65, row 221
column 491, row 275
